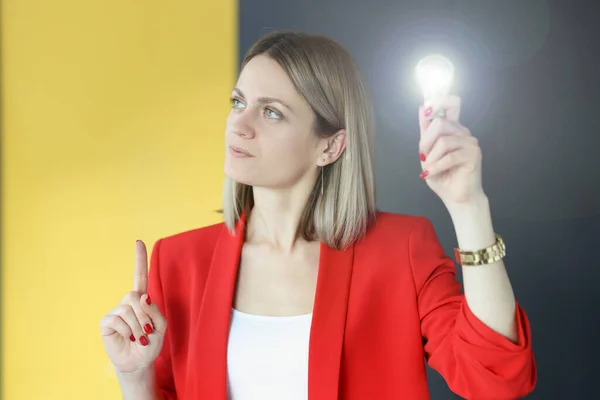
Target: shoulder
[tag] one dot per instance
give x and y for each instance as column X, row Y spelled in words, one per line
column 184, row 258
column 398, row 225
column 401, row 246
column 192, row 242
column 406, row 240
column 401, row 231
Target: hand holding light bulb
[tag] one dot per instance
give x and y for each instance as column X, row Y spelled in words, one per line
column 450, row 155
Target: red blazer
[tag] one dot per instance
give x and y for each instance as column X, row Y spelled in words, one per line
column 381, row 308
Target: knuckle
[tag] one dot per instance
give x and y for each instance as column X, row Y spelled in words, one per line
column 139, row 312
column 473, row 142
column 160, row 321
column 105, row 320
column 144, row 319
column 131, row 297
column 124, row 311
column 109, row 320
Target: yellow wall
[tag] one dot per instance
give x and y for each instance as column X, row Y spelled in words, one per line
column 113, row 118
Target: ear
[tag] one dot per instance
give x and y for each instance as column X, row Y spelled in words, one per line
column 332, row 148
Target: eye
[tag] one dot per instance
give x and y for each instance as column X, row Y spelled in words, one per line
column 236, row 103
column 272, row 114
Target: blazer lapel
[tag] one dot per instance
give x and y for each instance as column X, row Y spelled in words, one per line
column 207, row 366
column 329, row 322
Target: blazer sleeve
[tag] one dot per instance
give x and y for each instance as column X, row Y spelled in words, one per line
column 475, row 361
column 162, row 364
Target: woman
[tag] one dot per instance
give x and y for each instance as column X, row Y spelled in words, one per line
column 306, row 291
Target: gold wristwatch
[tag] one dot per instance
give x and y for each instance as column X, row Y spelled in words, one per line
column 495, row 252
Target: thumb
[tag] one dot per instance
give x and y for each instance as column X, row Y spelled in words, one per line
column 158, row 320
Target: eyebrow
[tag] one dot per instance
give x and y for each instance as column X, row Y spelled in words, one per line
column 266, row 100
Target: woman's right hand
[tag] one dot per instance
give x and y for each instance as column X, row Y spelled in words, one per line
column 134, row 331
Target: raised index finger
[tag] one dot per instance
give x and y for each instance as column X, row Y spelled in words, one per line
column 140, row 278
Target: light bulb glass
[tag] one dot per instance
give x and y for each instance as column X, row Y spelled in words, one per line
column 435, row 74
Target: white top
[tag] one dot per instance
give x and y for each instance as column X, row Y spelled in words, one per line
column 267, row 357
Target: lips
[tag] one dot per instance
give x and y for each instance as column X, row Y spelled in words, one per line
column 241, row 150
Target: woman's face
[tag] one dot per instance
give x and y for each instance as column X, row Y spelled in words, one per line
column 269, row 137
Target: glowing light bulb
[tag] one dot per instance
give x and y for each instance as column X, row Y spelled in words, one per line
column 435, row 74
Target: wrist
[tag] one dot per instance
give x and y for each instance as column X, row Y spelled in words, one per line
column 473, row 207
column 137, row 375
column 139, row 384
column 473, row 224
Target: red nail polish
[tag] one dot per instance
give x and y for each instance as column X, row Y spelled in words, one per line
column 148, row 329
column 144, row 341
column 422, row 156
column 423, row 174
column 428, row 111
column 148, row 301
column 132, row 338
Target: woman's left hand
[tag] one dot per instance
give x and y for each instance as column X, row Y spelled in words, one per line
column 450, row 155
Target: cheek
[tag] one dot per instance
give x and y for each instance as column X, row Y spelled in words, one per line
column 293, row 150
column 229, row 123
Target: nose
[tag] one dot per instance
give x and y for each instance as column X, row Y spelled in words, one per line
column 244, row 133
column 242, row 126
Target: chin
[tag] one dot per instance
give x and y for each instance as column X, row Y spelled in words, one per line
column 239, row 174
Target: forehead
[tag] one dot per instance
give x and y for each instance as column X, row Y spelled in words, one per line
column 263, row 76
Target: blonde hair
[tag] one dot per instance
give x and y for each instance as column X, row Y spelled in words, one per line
column 342, row 203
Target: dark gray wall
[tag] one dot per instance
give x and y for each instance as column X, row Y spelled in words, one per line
column 529, row 77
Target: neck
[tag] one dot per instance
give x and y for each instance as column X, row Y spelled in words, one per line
column 275, row 217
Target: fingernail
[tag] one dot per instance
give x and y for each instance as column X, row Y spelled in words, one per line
column 428, row 111
column 132, row 338
column 422, row 156
column 148, row 301
column 138, row 241
column 423, row 174
column 144, row 341
column 148, row 329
